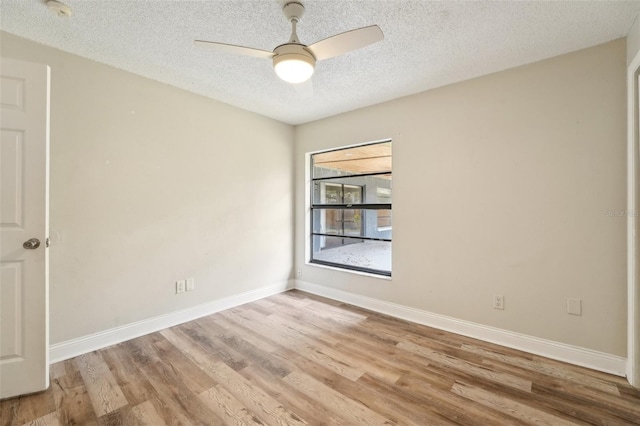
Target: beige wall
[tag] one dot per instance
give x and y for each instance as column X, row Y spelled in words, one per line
column 501, row 186
column 150, row 184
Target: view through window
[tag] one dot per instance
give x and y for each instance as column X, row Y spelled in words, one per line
column 351, row 221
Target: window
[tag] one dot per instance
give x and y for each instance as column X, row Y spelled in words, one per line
column 351, row 220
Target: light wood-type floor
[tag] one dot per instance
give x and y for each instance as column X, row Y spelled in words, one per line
column 295, row 359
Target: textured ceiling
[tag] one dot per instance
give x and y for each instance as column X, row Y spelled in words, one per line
column 427, row 43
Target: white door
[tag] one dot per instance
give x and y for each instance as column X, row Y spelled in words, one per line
column 24, row 181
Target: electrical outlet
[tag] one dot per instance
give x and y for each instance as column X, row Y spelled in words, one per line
column 181, row 286
column 498, row 301
column 190, row 284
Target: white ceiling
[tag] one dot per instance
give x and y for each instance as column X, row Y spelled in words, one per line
column 427, row 43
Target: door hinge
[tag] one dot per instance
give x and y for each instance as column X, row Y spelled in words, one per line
column 47, row 242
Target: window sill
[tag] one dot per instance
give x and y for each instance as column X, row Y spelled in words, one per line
column 350, row 271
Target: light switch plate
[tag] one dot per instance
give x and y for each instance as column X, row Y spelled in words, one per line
column 574, row 306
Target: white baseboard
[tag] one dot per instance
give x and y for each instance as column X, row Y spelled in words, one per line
column 82, row 345
column 559, row 351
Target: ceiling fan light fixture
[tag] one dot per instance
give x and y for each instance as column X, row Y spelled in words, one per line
column 293, row 63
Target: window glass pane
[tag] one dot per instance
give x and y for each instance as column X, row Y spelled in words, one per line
column 327, row 221
column 353, row 222
column 383, row 220
column 329, row 193
column 352, row 194
column 356, row 253
column 355, row 230
column 353, row 190
column 375, row 158
column 383, row 194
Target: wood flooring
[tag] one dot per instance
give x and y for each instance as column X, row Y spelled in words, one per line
column 295, row 359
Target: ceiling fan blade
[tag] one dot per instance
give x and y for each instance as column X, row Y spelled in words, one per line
column 231, row 48
column 346, row 42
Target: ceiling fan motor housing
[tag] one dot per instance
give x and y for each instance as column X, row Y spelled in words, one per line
column 293, row 58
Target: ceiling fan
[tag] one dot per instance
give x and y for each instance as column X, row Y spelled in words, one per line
column 293, row 61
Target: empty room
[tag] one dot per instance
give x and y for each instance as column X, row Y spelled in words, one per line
column 321, row 212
